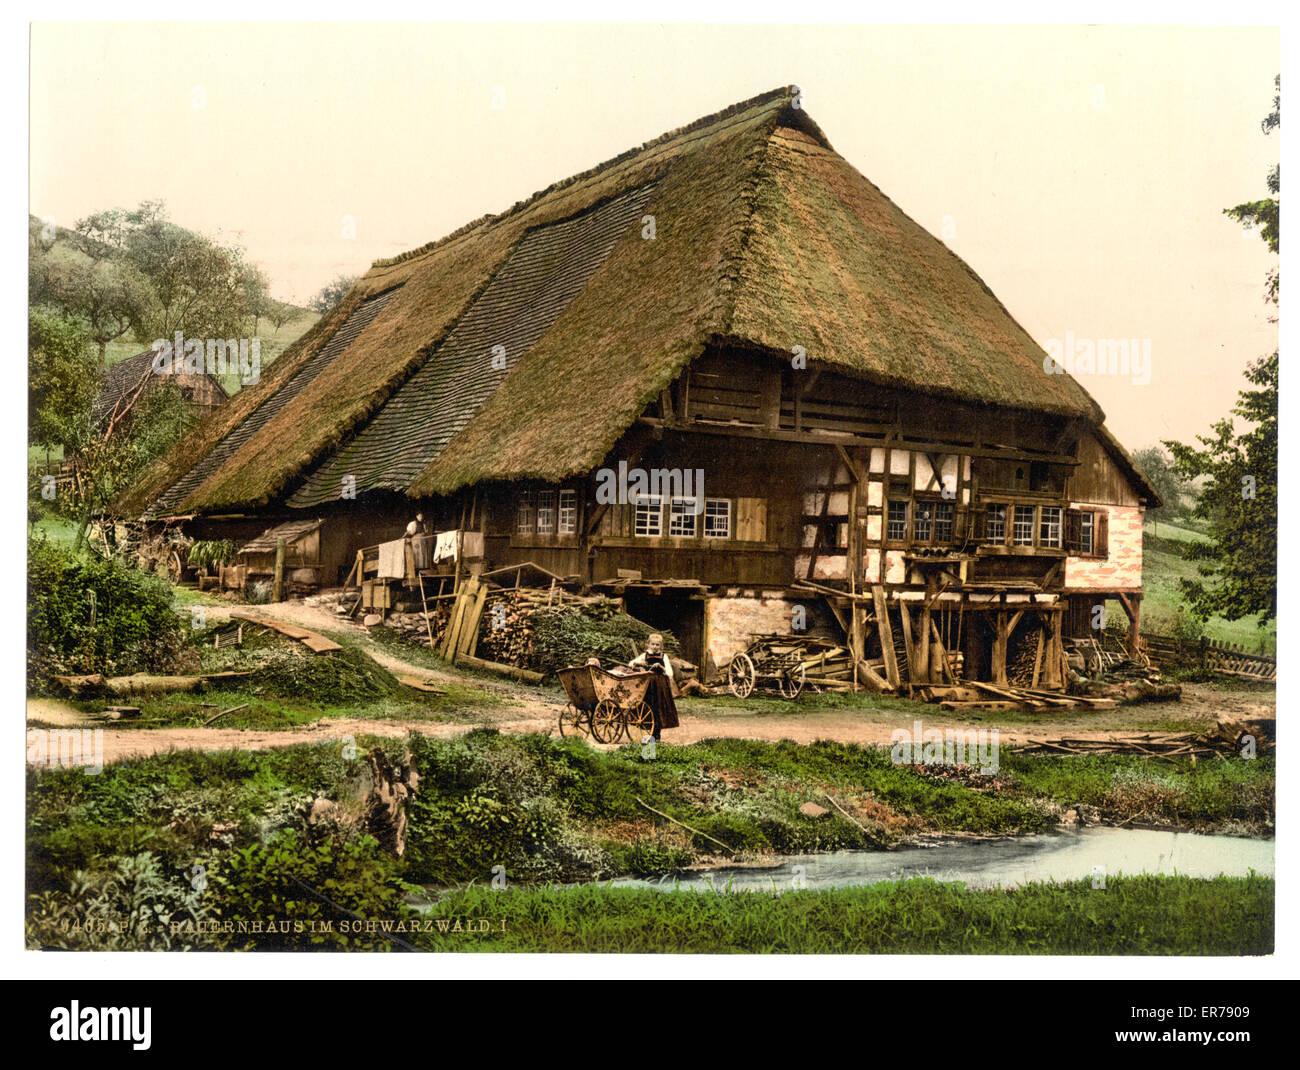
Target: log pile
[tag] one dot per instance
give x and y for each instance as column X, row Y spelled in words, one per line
column 1173, row 746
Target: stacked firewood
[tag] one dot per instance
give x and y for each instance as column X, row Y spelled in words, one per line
column 506, row 631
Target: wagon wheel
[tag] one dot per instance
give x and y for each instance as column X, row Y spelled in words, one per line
column 175, row 570
column 606, row 722
column 574, row 722
column 638, row 722
column 791, row 681
column 740, row 675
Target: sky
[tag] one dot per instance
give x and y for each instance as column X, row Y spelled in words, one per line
column 1082, row 172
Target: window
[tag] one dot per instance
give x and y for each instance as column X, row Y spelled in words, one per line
column 649, row 519
column 943, row 517
column 1022, row 529
column 545, row 513
column 1087, row 534
column 681, row 517
column 896, row 529
column 524, row 518
column 923, row 522
column 1049, row 526
column 995, row 524
column 568, row 515
column 717, row 518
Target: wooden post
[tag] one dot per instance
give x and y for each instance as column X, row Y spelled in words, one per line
column 909, row 646
column 921, row 670
column 999, row 667
column 278, row 591
column 1134, row 627
column 886, row 635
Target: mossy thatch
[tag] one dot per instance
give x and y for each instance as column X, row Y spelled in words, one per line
column 763, row 234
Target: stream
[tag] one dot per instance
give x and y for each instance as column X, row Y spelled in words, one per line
column 1052, row 856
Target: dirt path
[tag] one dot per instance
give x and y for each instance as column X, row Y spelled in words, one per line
column 520, row 709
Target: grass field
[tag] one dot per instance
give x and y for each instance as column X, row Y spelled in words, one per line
column 122, row 844
column 1162, row 568
column 1130, row 916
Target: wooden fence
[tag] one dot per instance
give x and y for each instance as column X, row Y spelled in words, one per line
column 1230, row 658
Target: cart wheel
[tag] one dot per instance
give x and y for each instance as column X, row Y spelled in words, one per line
column 791, row 681
column 175, row 570
column 606, row 722
column 574, row 722
column 638, row 722
column 740, row 675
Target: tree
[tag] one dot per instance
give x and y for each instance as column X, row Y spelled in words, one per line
column 1238, row 564
column 62, row 379
column 1155, row 463
column 331, row 294
column 109, row 295
column 282, row 312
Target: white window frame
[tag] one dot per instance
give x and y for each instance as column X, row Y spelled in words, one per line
column 567, row 514
column 1045, row 526
column 646, row 508
column 525, row 516
column 545, row 508
column 711, row 516
column 990, row 511
column 1016, row 513
column 683, row 518
column 1087, row 533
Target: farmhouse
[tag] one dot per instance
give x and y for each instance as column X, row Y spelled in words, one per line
column 870, row 436
column 124, row 383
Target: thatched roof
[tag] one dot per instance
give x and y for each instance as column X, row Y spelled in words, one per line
column 763, row 235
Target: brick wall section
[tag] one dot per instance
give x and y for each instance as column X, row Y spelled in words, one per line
column 1122, row 568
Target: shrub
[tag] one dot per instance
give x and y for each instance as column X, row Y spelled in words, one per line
column 86, row 615
column 314, row 890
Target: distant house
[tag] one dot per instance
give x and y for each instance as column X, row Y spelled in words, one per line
column 732, row 301
column 125, row 382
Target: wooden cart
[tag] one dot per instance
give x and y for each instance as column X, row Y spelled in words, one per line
column 769, row 661
column 605, row 705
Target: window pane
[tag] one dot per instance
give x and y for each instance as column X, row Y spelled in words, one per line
column 545, row 513
column 995, row 524
column 649, row 516
column 943, row 517
column 524, row 517
column 922, row 522
column 1085, row 533
column 1049, row 526
column 1022, row 532
column 681, row 520
column 717, row 518
column 568, row 522
column 897, row 528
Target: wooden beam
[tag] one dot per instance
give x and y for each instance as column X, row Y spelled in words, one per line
column 886, row 635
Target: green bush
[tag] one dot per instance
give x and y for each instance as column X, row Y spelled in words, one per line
column 314, row 890
column 87, row 615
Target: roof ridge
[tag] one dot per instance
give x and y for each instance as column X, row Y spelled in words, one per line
column 783, row 94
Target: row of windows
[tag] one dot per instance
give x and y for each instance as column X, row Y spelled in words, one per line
column 547, row 513
column 929, row 521
column 685, row 517
column 556, row 513
column 1030, row 525
column 1025, row 521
